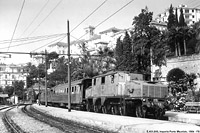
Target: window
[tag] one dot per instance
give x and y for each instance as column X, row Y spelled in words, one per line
column 186, row 16
column 5, row 76
column 112, row 78
column 94, row 82
column 192, row 16
column 102, row 80
column 72, row 89
column 192, row 10
column 186, row 11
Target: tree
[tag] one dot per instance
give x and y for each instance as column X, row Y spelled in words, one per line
column 123, row 54
column 9, row 90
column 19, row 88
column 51, row 57
column 176, row 18
column 175, row 78
column 145, row 39
column 60, row 73
column 171, row 18
column 181, row 19
column 175, row 75
column 1, row 89
column 196, row 39
column 105, row 59
column 118, row 54
column 32, row 74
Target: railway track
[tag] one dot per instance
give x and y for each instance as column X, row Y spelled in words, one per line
column 10, row 125
column 64, row 125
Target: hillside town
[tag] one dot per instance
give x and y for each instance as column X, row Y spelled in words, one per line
column 144, row 77
column 101, row 52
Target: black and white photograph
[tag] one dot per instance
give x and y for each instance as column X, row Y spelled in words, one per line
column 99, row 66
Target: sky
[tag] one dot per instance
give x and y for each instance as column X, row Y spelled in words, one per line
column 42, row 18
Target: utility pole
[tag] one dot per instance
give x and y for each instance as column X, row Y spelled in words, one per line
column 69, row 73
column 45, row 78
column 151, row 63
column 38, row 85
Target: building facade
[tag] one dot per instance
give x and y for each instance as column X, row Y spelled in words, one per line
column 191, row 15
column 11, row 73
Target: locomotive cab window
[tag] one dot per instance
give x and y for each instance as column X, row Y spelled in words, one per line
column 102, row 80
column 94, row 81
column 75, row 90
column 112, row 78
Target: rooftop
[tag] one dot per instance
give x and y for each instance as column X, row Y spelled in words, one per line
column 59, row 44
column 113, row 29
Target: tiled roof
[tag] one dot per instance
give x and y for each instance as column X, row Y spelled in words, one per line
column 60, row 44
column 78, row 41
column 113, row 29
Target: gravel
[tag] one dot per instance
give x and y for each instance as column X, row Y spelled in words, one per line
column 2, row 126
column 29, row 124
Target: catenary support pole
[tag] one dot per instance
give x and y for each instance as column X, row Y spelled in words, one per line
column 45, row 78
column 69, row 72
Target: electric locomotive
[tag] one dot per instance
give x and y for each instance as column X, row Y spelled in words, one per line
column 125, row 93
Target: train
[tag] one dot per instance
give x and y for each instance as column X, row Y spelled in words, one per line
column 115, row 92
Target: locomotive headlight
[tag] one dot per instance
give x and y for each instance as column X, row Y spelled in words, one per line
column 144, row 100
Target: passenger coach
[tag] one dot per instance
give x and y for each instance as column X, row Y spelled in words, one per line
column 58, row 95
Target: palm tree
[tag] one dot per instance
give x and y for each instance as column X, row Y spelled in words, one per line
column 106, row 59
column 185, row 33
column 196, row 28
column 174, row 36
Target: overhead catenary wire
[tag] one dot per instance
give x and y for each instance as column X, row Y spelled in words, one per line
column 49, row 43
column 30, row 42
column 80, row 22
column 45, row 17
column 32, row 38
column 89, row 15
column 109, row 17
column 195, row 2
column 38, row 14
column 16, row 24
column 76, row 26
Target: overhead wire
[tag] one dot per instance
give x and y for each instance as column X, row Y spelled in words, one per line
column 38, row 14
column 109, row 17
column 89, row 15
column 79, row 39
column 16, row 24
column 49, row 43
column 30, row 42
column 82, row 20
column 64, row 34
column 31, row 38
column 45, row 17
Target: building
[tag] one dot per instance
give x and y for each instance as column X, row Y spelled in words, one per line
column 11, row 73
column 59, row 48
column 191, row 16
column 92, row 42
